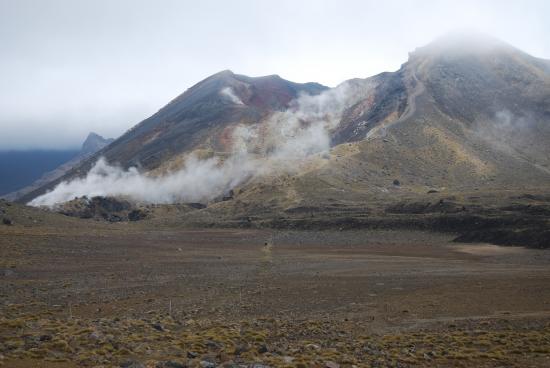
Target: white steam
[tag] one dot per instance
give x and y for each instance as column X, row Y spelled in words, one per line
column 279, row 143
column 198, row 180
column 228, row 93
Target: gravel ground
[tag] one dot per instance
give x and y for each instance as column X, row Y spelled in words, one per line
column 132, row 296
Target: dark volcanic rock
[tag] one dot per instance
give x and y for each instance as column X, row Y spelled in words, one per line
column 104, row 208
column 132, row 364
column 425, row 207
column 531, row 237
column 136, row 215
column 170, row 364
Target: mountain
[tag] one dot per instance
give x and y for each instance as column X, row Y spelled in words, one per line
column 200, row 118
column 466, row 117
column 93, row 143
column 465, row 113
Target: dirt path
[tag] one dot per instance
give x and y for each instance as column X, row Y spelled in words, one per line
column 381, row 130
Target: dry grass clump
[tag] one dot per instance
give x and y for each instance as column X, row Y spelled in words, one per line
column 278, row 343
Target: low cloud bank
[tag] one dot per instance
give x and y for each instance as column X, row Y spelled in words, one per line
column 281, row 142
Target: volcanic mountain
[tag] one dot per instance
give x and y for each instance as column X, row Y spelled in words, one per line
column 466, row 113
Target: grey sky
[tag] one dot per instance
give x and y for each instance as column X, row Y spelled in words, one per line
column 68, row 67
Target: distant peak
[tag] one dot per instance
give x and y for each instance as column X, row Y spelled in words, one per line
column 94, row 142
column 92, row 136
column 223, row 74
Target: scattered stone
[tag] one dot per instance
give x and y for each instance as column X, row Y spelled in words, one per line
column 239, row 349
column 170, row 364
column 228, row 196
column 192, row 355
column 396, row 182
column 331, row 364
column 158, row 327
column 213, row 345
column 136, row 215
column 230, row 364
column 132, row 364
column 257, row 365
column 45, row 338
column 95, row 336
column 262, row 349
column 313, row 346
column 207, row 364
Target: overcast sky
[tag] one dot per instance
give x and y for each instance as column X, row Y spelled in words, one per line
column 68, row 67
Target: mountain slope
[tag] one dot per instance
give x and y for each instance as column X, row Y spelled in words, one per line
column 201, row 118
column 464, row 113
column 462, row 116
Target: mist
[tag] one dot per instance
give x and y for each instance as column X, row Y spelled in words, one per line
column 290, row 138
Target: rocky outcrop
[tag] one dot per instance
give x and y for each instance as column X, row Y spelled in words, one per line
column 103, row 208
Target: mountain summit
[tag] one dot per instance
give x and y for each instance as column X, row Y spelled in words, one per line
column 93, row 143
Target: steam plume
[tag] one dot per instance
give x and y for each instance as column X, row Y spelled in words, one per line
column 228, row 93
column 287, row 139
